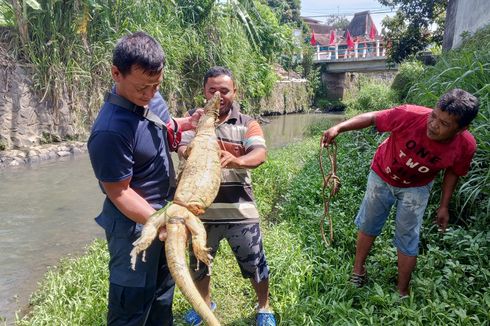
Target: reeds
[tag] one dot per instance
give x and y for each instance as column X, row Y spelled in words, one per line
column 70, row 46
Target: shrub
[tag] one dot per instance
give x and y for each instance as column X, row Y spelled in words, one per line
column 408, row 73
column 327, row 105
column 373, row 95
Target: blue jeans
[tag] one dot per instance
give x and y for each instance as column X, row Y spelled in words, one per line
column 410, row 207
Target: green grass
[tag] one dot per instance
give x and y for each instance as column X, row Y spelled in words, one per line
column 70, row 48
column 309, row 281
column 74, row 292
column 372, row 95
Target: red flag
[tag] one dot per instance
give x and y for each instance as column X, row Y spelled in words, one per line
column 350, row 42
column 313, row 40
column 332, row 37
column 372, row 32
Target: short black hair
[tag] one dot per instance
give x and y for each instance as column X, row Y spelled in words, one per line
column 461, row 104
column 139, row 49
column 217, row 71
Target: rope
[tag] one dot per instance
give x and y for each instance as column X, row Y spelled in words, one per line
column 331, row 185
column 180, row 203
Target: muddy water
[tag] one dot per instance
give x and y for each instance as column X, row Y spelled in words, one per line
column 47, row 212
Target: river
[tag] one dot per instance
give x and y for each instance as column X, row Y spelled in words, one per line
column 48, row 209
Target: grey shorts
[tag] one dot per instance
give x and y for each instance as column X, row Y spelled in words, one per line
column 246, row 243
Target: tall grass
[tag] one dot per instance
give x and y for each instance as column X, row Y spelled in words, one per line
column 408, row 73
column 70, row 46
column 467, row 68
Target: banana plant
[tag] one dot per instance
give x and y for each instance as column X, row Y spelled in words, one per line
column 20, row 13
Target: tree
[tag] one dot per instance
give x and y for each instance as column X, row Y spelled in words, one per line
column 288, row 11
column 412, row 28
column 339, row 22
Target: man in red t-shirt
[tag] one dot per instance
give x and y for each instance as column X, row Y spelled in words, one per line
column 422, row 142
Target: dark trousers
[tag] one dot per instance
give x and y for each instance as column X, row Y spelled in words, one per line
column 142, row 297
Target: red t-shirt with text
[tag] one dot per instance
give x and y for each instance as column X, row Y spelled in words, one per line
column 408, row 158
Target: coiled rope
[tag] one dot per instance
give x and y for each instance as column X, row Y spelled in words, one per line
column 331, row 185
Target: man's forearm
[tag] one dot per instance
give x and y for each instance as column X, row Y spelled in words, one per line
column 132, row 205
column 449, row 183
column 253, row 159
column 184, row 123
column 189, row 122
column 358, row 122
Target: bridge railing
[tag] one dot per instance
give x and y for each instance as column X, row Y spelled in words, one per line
column 341, row 52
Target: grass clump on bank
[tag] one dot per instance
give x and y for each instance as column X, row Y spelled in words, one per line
column 372, row 95
column 74, row 292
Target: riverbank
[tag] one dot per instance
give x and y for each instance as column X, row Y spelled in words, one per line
column 37, row 154
column 63, row 198
column 309, row 282
column 289, row 130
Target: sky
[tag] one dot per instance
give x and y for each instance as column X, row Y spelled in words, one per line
column 347, row 8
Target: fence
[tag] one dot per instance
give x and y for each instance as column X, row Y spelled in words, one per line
column 342, row 52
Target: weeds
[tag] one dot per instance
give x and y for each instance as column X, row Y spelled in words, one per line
column 70, row 45
column 309, row 282
column 371, row 96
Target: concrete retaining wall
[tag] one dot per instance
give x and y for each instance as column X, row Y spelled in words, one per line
column 464, row 16
column 26, row 122
column 288, row 96
column 24, row 119
column 28, row 119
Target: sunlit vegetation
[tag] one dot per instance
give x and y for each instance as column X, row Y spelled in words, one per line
column 309, row 281
column 69, row 46
column 370, row 95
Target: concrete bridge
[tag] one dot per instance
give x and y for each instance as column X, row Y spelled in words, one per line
column 336, row 61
